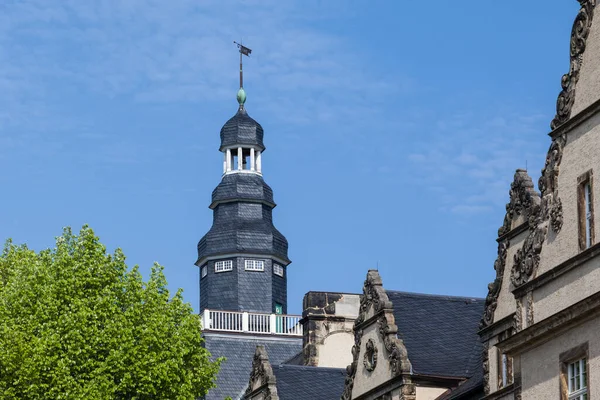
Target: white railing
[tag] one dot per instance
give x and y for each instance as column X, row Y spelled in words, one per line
column 233, row 321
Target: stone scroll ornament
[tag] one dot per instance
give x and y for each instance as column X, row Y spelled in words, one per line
column 547, row 215
column 262, row 376
column 374, row 297
column 579, row 35
column 491, row 301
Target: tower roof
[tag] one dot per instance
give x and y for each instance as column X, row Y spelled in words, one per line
column 241, row 129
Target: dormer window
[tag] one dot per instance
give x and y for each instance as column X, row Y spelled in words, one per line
column 223, row 266
column 277, row 269
column 255, row 265
column 585, row 208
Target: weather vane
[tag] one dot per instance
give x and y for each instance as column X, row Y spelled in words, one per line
column 244, row 51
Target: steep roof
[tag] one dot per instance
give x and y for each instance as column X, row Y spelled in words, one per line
column 316, row 383
column 241, row 130
column 239, row 351
column 439, row 332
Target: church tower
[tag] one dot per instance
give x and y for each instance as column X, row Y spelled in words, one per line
column 243, row 257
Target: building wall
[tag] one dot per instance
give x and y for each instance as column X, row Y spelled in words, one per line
column 572, row 287
column 335, row 351
column 541, row 365
column 218, row 291
column 429, row 393
column 580, row 155
column 506, row 300
column 589, row 92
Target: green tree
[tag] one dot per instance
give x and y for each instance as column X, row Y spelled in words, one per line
column 76, row 323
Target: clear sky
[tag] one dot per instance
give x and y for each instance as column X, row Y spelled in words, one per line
column 393, row 128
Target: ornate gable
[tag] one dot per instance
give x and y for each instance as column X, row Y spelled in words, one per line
column 579, row 35
column 378, row 354
column 262, row 384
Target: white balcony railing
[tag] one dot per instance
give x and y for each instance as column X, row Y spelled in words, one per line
column 233, row 321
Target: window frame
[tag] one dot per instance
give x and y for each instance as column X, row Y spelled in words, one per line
column 278, row 267
column 585, row 210
column 504, row 366
column 223, row 266
column 251, row 265
column 204, row 271
column 577, row 355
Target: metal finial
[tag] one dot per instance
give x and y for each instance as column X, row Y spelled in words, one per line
column 244, row 51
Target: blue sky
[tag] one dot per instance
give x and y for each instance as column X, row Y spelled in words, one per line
column 393, row 128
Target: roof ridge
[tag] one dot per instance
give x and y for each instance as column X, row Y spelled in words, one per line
column 438, row 296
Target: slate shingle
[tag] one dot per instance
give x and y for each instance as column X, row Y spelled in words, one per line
column 316, row 383
column 440, row 332
column 242, row 130
column 239, row 350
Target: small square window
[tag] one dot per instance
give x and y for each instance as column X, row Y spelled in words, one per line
column 255, row 265
column 204, row 270
column 222, row 266
column 277, row 269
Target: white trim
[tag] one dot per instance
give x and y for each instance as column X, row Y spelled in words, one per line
column 577, row 379
column 245, row 255
column 242, row 171
column 203, row 271
column 223, row 266
column 254, row 265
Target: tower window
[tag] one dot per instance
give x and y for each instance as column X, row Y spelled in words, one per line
column 222, row 266
column 585, row 206
column 277, row 269
column 204, row 270
column 255, row 265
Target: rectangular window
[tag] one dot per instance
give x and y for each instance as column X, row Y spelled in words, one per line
column 277, row 269
column 585, row 209
column 505, row 374
column 222, row 266
column 255, row 265
column 574, row 373
column 204, row 270
column 577, row 380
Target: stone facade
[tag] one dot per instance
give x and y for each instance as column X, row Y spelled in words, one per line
column 328, row 321
column 543, row 314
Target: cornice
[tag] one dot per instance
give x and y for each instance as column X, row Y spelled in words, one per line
column 552, row 326
column 558, row 271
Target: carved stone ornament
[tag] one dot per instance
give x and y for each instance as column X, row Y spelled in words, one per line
column 375, row 298
column 491, row 301
column 518, row 321
column 548, row 214
column 370, row 358
column 522, row 198
column 530, row 317
column 579, row 34
column 262, row 379
column 485, row 356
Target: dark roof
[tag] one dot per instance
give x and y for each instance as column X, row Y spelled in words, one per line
column 243, row 222
column 241, row 130
column 471, row 389
column 233, row 377
column 440, row 332
column 316, row 383
column 298, row 359
column 240, row 186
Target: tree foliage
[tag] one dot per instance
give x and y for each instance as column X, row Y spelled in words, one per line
column 76, row 323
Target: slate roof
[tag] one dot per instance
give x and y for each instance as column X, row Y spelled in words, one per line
column 471, row 389
column 240, row 186
column 316, row 383
column 242, row 220
column 440, row 332
column 239, row 350
column 242, row 130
